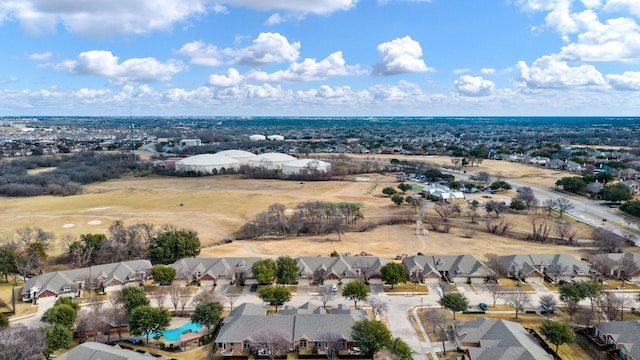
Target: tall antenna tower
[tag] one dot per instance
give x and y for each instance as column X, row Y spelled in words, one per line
column 133, row 145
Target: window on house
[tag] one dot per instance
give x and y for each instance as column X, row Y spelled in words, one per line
column 66, row 288
column 246, row 345
column 303, row 344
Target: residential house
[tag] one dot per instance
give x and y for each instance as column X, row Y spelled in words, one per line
column 622, row 336
column 213, row 271
column 451, row 268
column 633, row 186
column 70, row 283
column 594, row 187
column 306, row 328
column 97, row 351
column 320, row 270
column 492, row 339
column 556, row 164
column 573, row 166
column 190, row 142
column 613, row 264
column 443, row 193
column 534, row 267
column 628, row 173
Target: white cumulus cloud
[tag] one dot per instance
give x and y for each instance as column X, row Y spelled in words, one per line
column 308, row 70
column 300, row 6
column 201, row 53
column 268, row 48
column 136, row 70
column 468, row 85
column 400, row 56
column 615, row 40
column 629, row 80
column 43, row 56
column 232, row 78
column 101, row 18
column 550, row 73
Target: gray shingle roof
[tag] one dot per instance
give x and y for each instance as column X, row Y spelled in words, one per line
column 511, row 337
column 98, row 351
column 453, row 264
column 624, row 332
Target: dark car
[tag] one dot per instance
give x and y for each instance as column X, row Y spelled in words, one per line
column 483, row 306
column 253, row 288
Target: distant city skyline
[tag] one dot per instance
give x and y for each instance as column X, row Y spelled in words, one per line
column 320, row 58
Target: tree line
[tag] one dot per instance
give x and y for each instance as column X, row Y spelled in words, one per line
column 68, row 174
column 308, row 218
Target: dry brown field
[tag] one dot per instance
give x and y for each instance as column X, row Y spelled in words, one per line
column 217, row 206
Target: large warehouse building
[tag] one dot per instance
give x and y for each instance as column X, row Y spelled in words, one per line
column 207, row 163
column 301, row 166
column 240, row 155
column 270, row 161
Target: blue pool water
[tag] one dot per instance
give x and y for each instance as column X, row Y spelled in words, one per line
column 174, row 334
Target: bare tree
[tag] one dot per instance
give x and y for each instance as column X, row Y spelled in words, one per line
column 271, row 342
column 444, row 210
column 496, row 291
column 185, row 297
column 585, row 317
column 608, row 241
column 518, row 299
column 540, row 228
column 174, row 295
column 526, row 194
column 331, row 341
column 160, row 295
column 498, row 226
column 231, row 299
column 610, row 305
column 571, row 307
column 498, row 265
column 497, row 207
column 86, row 322
column 564, row 230
column 377, row 305
column 549, row 205
column 205, row 296
column 626, row 267
column 563, row 205
column 325, row 295
column 441, row 324
column 21, row 342
column 483, row 177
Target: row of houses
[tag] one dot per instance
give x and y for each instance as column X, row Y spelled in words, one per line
column 317, row 270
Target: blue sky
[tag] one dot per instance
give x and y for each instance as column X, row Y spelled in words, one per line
column 320, row 57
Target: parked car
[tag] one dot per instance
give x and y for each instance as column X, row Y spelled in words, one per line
column 548, row 308
column 334, row 288
column 253, row 288
column 483, row 306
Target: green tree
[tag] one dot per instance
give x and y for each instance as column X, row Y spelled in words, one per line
column 631, row 207
column 517, row 205
column 393, row 273
column 356, row 291
column 163, row 274
column 171, row 245
column 557, row 333
column 264, row 271
column 500, row 185
column 455, row 302
column 132, row 297
column 145, row 319
column 570, row 291
column 404, row 187
column 61, row 314
column 275, row 295
column 286, row 270
column 370, row 336
column 57, row 337
column 397, row 199
column 573, row 184
column 389, row 191
column 334, row 253
column 616, row 193
column 591, row 289
column 401, row 348
column 604, row 177
column 4, row 321
column 63, row 300
column 207, row 314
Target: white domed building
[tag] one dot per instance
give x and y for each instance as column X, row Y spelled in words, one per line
column 257, row 138
column 270, row 161
column 207, row 164
column 302, row 166
column 240, row 155
column 275, row 137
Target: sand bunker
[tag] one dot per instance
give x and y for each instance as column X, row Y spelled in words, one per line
column 94, row 222
column 68, row 226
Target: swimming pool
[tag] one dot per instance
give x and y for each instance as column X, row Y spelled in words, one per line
column 174, row 334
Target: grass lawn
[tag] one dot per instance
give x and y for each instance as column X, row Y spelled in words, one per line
column 407, row 287
column 511, row 283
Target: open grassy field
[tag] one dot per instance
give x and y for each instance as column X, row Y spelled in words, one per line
column 217, row 206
